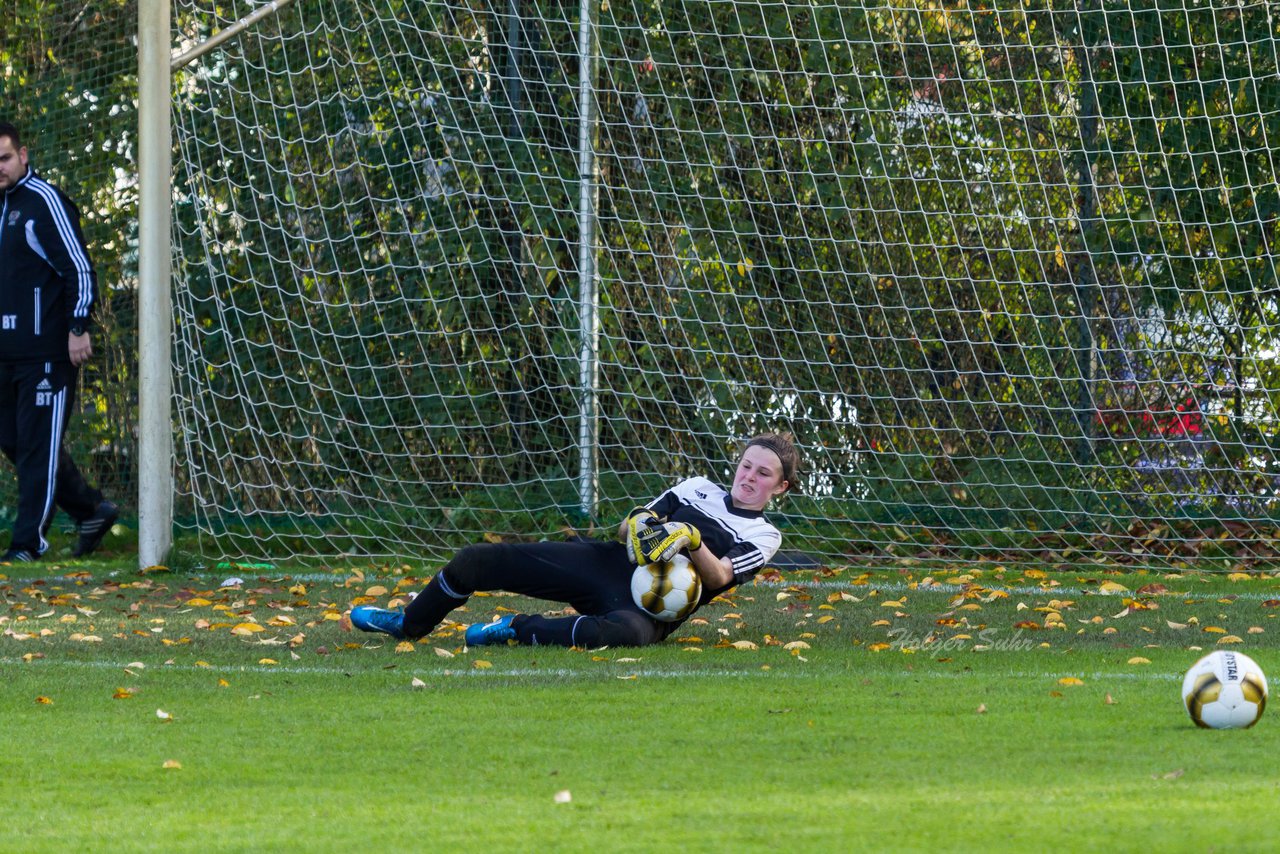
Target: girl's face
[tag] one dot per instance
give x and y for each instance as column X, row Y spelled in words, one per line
column 758, row 479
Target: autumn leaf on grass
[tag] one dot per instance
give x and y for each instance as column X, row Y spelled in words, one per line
column 123, row 694
column 404, row 646
column 1230, row 639
column 1137, row 659
column 246, row 629
column 878, row 647
column 44, row 701
column 1070, row 680
column 1110, row 587
column 172, row 765
column 744, row 644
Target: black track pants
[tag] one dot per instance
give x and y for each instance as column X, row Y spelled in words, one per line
column 592, row 577
column 35, row 406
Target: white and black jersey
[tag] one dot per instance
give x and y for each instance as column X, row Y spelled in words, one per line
column 745, row 537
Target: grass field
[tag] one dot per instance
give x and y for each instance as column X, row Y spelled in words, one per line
column 919, row 709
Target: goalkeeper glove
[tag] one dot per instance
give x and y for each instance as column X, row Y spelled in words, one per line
column 661, row 543
column 638, row 521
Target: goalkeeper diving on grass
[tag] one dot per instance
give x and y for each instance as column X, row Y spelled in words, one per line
column 724, row 533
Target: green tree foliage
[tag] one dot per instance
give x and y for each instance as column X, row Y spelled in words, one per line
column 998, row 266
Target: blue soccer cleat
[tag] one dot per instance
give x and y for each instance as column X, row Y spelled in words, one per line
column 499, row 631
column 367, row 618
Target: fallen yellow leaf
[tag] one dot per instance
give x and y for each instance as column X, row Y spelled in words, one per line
column 267, row 661
column 44, row 701
column 246, row 629
column 122, row 694
column 744, row 644
column 1137, row 659
column 878, row 647
column 404, row 646
column 481, row 664
column 1070, row 680
column 1230, row 639
column 172, row 764
column 1217, row 630
column 1108, row 587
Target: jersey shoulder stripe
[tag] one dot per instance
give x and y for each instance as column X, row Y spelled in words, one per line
column 62, row 223
column 744, row 536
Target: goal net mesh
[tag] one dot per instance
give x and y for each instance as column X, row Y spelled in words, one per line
column 1007, row 274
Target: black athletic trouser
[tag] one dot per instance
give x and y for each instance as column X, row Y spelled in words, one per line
column 35, row 406
column 592, row 577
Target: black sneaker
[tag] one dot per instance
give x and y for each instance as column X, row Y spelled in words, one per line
column 93, row 529
column 19, row 556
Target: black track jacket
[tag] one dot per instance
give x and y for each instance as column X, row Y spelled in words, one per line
column 47, row 282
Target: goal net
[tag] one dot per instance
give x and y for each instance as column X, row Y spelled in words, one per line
column 454, row 270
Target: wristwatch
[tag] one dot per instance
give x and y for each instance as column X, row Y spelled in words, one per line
column 77, row 328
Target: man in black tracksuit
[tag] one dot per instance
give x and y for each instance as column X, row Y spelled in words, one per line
column 47, row 291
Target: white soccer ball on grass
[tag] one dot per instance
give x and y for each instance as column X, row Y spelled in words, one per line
column 1225, row 690
column 667, row 591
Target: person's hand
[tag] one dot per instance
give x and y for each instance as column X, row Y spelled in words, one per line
column 659, row 543
column 637, row 522
column 79, row 348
